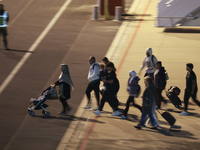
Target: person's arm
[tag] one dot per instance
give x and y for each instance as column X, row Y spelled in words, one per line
column 8, row 18
column 142, row 66
column 108, row 81
column 193, row 86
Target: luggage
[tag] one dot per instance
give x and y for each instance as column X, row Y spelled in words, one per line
column 172, row 94
column 174, row 99
column 168, row 117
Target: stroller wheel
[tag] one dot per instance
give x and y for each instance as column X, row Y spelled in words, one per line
column 30, row 112
column 48, row 114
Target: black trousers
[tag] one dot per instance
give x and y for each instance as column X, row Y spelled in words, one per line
column 64, row 104
column 129, row 100
column 3, row 31
column 187, row 96
column 159, row 97
column 93, row 86
column 110, row 97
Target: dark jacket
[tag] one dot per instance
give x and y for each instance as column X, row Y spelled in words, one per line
column 148, row 104
column 159, row 78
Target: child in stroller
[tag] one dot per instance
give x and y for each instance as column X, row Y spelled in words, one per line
column 37, row 104
column 172, row 94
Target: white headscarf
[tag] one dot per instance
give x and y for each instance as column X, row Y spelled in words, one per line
column 65, row 76
column 133, row 75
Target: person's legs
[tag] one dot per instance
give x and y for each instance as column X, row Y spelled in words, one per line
column 129, row 100
column 158, row 92
column 136, row 105
column 4, row 33
column 63, row 101
column 194, row 98
column 103, row 100
column 153, row 120
column 96, row 90
column 186, row 99
column 143, row 119
column 88, row 91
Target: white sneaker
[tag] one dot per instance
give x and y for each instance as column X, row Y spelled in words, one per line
column 96, row 109
column 98, row 112
column 184, row 113
column 116, row 113
column 123, row 117
column 88, row 107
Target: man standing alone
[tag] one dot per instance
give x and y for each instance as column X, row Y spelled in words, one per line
column 4, row 18
column 191, row 88
column 94, row 81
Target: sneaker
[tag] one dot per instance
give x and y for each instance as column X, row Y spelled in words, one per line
column 154, row 127
column 6, row 48
column 98, row 112
column 116, row 113
column 88, row 107
column 123, row 117
column 138, row 127
column 184, row 113
column 96, row 109
column 62, row 114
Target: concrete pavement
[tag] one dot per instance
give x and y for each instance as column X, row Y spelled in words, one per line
column 127, row 52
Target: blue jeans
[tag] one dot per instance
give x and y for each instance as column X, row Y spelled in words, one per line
column 152, row 119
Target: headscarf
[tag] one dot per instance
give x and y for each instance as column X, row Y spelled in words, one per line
column 133, row 75
column 65, row 76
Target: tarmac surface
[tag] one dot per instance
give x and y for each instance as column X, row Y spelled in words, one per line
column 72, row 39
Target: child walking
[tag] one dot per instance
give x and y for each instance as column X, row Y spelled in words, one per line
column 133, row 89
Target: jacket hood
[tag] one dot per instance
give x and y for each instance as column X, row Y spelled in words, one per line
column 133, row 74
column 149, row 50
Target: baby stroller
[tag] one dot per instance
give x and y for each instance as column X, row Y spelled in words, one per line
column 172, row 94
column 37, row 104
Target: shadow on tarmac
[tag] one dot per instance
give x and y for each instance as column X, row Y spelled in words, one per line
column 15, row 50
column 182, row 30
column 70, row 118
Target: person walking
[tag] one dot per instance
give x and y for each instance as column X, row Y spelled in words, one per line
column 191, row 88
column 65, row 87
column 149, row 63
column 160, row 83
column 134, row 91
column 112, row 87
column 94, row 81
column 148, row 104
column 4, row 18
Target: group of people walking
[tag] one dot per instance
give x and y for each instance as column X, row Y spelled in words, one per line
column 155, row 80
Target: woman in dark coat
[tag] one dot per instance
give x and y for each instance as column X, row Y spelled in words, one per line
column 148, row 104
column 65, row 86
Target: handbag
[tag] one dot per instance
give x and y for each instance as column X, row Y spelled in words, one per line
column 53, row 95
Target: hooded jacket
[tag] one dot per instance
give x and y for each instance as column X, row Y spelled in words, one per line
column 133, row 86
column 148, row 63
